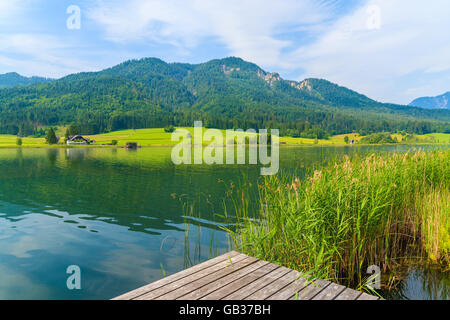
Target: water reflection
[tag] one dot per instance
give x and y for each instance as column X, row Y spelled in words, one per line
column 421, row 283
column 125, row 217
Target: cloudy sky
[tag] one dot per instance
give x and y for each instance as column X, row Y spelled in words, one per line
column 390, row 50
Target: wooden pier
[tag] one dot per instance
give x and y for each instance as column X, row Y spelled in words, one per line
column 236, row 276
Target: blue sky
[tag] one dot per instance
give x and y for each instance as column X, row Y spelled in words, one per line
column 390, row 50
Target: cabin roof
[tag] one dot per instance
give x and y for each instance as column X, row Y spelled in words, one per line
column 77, row 137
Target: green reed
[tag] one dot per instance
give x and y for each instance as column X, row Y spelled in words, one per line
column 363, row 210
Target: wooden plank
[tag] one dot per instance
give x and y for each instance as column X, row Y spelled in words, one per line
column 296, row 286
column 313, row 288
column 176, row 276
column 190, row 278
column 231, row 287
column 348, row 294
column 236, row 276
column 194, row 285
column 251, row 288
column 275, row 286
column 365, row 296
column 330, row 292
column 220, row 283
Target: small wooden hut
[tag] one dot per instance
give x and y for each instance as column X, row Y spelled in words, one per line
column 131, row 145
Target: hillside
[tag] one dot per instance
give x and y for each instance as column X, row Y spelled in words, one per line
column 439, row 102
column 13, row 79
column 224, row 93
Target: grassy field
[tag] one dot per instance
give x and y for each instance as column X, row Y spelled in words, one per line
column 373, row 210
column 440, row 137
column 158, row 137
column 10, row 141
column 144, row 137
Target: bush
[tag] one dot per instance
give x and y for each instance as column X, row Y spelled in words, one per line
column 378, row 138
column 169, row 129
column 114, row 142
column 19, row 141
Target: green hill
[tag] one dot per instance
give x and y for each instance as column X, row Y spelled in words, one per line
column 224, row 93
column 13, row 79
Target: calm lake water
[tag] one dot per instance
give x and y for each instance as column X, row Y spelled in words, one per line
column 117, row 215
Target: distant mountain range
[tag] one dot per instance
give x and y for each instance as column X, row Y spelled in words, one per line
column 439, row 102
column 224, row 93
column 13, row 79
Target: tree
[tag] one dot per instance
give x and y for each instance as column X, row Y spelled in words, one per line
column 346, row 139
column 114, row 142
column 19, row 141
column 51, row 136
column 169, row 129
column 72, row 130
column 39, row 133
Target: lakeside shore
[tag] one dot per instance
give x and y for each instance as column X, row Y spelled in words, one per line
column 63, row 146
column 157, row 137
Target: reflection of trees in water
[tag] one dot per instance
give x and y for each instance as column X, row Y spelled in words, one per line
column 72, row 155
column 422, row 283
column 76, row 155
column 52, row 155
column 435, row 282
column 89, row 182
column 19, row 156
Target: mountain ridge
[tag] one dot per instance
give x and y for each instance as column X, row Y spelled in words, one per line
column 438, row 102
column 225, row 93
column 12, row 79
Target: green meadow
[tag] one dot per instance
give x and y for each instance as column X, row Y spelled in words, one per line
column 440, row 137
column 158, row 137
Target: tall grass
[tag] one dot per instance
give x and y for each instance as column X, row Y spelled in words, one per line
column 360, row 211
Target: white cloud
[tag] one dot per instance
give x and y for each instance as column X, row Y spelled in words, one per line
column 356, row 50
column 30, row 53
column 405, row 57
column 11, row 9
column 7, row 7
column 39, row 54
column 248, row 28
column 412, row 43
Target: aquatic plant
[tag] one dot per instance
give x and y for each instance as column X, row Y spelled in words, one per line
column 356, row 212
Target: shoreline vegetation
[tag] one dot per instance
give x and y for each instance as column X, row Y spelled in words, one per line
column 161, row 137
column 384, row 210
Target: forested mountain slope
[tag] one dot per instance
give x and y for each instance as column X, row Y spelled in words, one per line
column 224, row 93
column 13, row 79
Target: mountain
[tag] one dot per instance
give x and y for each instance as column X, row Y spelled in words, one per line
column 224, row 93
column 13, row 79
column 439, row 102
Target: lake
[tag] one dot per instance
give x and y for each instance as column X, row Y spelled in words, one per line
column 119, row 216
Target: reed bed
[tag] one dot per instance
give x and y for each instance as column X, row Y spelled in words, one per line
column 363, row 210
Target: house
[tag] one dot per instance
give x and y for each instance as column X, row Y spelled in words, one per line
column 77, row 140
